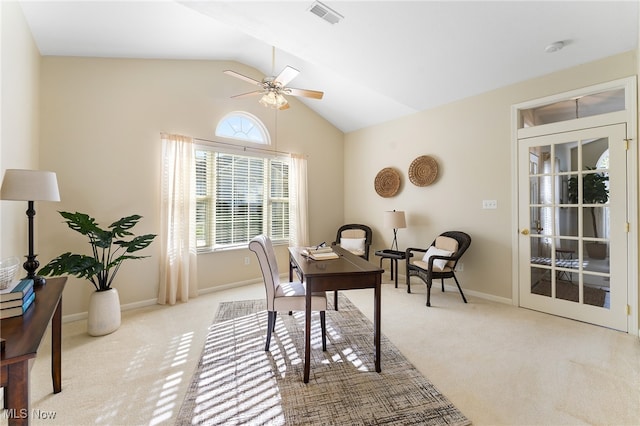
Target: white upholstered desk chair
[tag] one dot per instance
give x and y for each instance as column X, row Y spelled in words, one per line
column 285, row 296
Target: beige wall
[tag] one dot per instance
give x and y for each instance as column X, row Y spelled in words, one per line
column 471, row 140
column 100, row 120
column 100, row 131
column 18, row 121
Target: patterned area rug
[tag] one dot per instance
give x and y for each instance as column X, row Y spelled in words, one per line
column 237, row 382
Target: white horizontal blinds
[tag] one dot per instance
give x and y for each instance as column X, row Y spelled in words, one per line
column 239, row 211
column 279, row 200
column 239, row 197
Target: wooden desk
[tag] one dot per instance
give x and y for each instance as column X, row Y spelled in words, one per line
column 346, row 273
column 23, row 335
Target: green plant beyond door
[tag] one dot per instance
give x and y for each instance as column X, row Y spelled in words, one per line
column 594, row 191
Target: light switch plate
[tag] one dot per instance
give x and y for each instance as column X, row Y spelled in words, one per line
column 489, row 204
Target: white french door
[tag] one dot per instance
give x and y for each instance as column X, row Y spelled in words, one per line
column 572, row 222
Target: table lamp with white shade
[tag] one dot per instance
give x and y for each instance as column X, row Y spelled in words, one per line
column 396, row 220
column 30, row 186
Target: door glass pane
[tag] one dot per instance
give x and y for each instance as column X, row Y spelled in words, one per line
column 567, row 221
column 537, row 252
column 534, row 189
column 596, row 257
column 538, row 216
column 596, row 290
column 567, row 255
column 567, row 290
column 595, row 222
column 540, row 281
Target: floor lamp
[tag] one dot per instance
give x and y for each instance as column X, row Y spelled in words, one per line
column 396, row 220
column 30, row 186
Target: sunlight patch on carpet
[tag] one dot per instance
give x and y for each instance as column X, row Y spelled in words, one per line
column 237, row 382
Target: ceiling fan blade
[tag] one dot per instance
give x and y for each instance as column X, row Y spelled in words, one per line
column 285, row 106
column 303, row 92
column 287, row 74
column 245, row 95
column 243, row 77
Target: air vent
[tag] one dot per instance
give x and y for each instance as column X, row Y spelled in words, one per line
column 325, row 12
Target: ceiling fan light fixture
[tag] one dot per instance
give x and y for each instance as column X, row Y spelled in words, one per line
column 273, row 100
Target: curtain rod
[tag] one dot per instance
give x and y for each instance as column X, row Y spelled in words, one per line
column 270, row 151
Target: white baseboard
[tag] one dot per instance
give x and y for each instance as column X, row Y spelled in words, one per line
column 450, row 287
column 151, row 302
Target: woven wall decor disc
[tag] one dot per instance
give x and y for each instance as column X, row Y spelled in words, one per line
column 423, row 171
column 387, row 182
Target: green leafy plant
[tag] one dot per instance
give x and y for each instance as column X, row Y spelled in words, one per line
column 109, row 250
column 594, row 191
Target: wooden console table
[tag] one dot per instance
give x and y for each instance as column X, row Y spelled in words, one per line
column 22, row 336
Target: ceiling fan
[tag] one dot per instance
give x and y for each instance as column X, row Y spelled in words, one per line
column 273, row 89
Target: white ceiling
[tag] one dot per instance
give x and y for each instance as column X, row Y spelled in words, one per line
column 385, row 59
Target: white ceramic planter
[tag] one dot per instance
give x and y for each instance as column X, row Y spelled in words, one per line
column 104, row 312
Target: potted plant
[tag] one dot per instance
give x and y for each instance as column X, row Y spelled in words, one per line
column 109, row 251
column 594, row 191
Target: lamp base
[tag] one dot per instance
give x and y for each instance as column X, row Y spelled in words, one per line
column 31, row 266
column 37, row 280
column 395, row 240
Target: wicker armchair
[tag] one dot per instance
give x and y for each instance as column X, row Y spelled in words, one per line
column 349, row 237
column 445, row 251
column 354, row 231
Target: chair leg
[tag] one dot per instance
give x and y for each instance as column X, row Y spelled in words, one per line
column 442, row 280
column 335, row 299
column 323, row 326
column 429, row 292
column 460, row 289
column 271, row 317
column 408, row 282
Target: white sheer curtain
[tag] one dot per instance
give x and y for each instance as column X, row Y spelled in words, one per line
column 550, row 197
column 178, row 262
column 299, row 234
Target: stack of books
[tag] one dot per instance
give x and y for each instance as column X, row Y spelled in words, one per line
column 16, row 299
column 320, row 253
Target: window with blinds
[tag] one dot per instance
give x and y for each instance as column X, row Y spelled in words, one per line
column 239, row 197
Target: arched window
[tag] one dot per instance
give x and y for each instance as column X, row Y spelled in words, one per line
column 241, row 191
column 603, row 162
column 243, row 126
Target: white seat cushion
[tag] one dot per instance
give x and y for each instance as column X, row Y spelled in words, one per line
column 290, row 297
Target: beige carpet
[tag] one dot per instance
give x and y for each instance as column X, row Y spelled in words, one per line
column 499, row 364
column 237, row 382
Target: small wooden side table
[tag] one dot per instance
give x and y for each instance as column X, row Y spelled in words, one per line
column 393, row 256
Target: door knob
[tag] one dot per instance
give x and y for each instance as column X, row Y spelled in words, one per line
column 525, row 232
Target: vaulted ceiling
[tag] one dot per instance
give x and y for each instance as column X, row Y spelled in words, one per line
column 383, row 60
